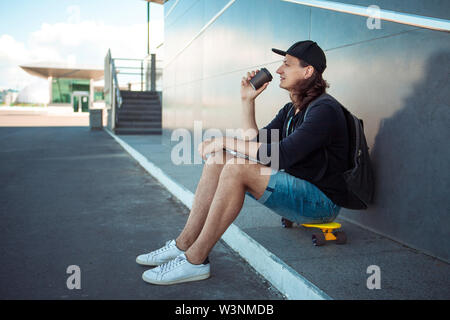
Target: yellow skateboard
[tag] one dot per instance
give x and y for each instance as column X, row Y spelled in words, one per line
column 328, row 233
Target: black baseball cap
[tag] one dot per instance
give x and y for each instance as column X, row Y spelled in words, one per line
column 308, row 51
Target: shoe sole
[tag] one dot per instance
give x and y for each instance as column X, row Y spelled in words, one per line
column 150, row 264
column 147, row 264
column 196, row 278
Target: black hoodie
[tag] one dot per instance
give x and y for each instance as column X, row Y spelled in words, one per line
column 301, row 148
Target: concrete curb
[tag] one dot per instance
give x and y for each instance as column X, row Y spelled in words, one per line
column 285, row 279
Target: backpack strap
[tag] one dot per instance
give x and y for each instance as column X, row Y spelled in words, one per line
column 289, row 121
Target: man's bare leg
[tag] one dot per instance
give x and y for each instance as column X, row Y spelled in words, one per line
column 234, row 181
column 204, row 194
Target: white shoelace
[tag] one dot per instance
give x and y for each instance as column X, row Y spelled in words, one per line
column 171, row 264
column 165, row 248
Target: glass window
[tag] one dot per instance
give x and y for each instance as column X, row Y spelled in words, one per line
column 62, row 89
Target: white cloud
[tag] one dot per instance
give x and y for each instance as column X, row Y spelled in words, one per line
column 74, row 41
column 74, row 14
column 11, row 52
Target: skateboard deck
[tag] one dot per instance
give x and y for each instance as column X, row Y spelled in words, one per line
column 328, row 232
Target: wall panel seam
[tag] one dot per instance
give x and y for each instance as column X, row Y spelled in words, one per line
column 166, row 27
column 211, row 21
column 388, row 15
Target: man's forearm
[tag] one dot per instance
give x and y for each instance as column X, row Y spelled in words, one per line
column 249, row 148
column 249, row 127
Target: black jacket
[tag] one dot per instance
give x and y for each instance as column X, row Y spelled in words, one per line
column 301, row 147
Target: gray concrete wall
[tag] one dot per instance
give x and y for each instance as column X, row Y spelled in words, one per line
column 394, row 78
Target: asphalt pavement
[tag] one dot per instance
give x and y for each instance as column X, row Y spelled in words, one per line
column 70, row 196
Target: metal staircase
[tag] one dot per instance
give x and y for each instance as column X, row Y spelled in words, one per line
column 140, row 113
column 131, row 111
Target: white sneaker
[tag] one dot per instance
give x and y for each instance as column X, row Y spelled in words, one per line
column 177, row 270
column 160, row 256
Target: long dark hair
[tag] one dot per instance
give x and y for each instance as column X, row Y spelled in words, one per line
column 307, row 90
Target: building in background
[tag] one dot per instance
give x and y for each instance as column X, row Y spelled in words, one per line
column 8, row 96
column 389, row 66
column 76, row 86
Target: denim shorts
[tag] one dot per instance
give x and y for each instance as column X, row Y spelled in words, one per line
column 297, row 200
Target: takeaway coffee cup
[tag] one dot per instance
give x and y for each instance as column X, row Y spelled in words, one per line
column 260, row 78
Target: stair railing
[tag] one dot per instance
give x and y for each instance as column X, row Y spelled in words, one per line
column 132, row 70
column 118, row 96
column 112, row 88
column 145, row 69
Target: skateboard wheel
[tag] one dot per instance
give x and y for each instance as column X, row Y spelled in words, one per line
column 318, row 239
column 341, row 237
column 286, row 223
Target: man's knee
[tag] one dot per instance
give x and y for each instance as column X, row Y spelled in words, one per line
column 218, row 158
column 233, row 169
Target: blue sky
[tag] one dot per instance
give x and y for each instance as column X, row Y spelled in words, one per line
column 72, row 31
column 32, row 13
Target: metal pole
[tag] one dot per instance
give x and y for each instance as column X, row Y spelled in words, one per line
column 142, row 75
column 153, row 72
column 147, row 76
